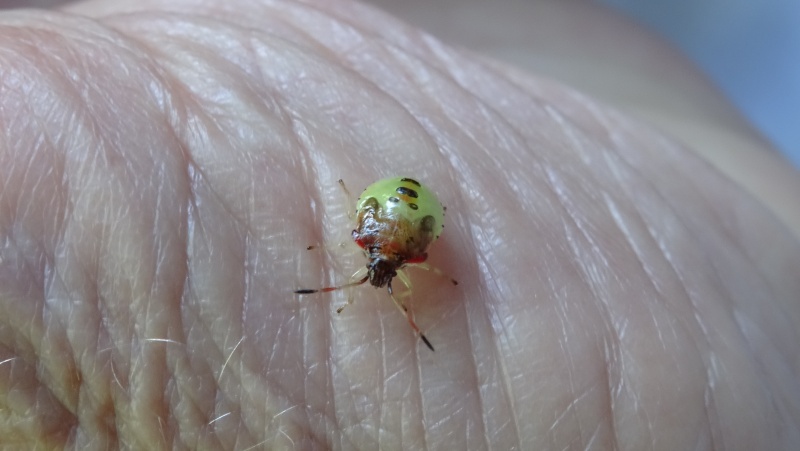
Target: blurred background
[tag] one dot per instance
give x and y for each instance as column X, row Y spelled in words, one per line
column 749, row 49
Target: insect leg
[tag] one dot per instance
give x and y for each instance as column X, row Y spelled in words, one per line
column 410, row 319
column 434, row 270
column 350, row 210
column 407, row 292
column 349, row 200
column 329, row 289
column 360, row 275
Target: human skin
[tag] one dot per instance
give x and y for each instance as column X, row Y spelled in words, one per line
column 164, row 168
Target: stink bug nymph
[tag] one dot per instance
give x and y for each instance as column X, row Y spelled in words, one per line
column 397, row 220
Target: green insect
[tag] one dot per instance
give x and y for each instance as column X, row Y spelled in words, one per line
column 397, row 220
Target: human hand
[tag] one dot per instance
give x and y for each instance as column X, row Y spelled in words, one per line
column 165, row 166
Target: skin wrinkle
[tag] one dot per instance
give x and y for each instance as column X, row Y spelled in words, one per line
column 248, row 290
column 329, row 415
column 160, row 424
column 743, row 337
column 334, row 26
column 709, row 404
column 499, row 137
column 587, row 276
column 624, row 231
column 670, row 144
column 73, row 403
column 570, row 408
column 591, row 279
column 157, row 255
column 296, row 139
column 709, row 380
column 620, row 332
column 573, row 391
column 734, row 309
column 719, row 279
column 506, row 384
column 761, row 357
column 188, row 327
column 476, row 376
column 307, row 162
column 735, row 243
column 489, row 312
column 382, row 386
column 424, row 412
column 595, row 434
column 345, row 52
column 614, row 383
column 234, row 377
column 612, row 337
column 200, row 429
column 573, row 387
column 406, row 38
column 708, row 385
column 565, row 351
column 193, row 206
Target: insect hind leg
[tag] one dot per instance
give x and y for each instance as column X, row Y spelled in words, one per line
column 409, row 317
column 403, row 277
column 435, row 270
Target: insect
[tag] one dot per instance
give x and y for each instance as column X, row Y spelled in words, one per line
column 397, row 219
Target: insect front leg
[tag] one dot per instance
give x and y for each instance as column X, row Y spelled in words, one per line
column 350, row 206
column 358, row 275
column 351, row 209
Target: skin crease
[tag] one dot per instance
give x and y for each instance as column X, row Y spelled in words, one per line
column 163, row 169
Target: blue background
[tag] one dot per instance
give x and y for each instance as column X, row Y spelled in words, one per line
column 749, row 48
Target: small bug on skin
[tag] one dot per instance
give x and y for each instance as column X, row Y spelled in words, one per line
column 397, row 220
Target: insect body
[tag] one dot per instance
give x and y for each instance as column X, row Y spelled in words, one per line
column 397, row 219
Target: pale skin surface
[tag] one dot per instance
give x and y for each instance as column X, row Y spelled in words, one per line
column 162, row 173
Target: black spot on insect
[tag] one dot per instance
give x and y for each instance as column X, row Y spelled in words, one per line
column 413, row 206
column 407, row 192
column 411, row 181
column 394, row 200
